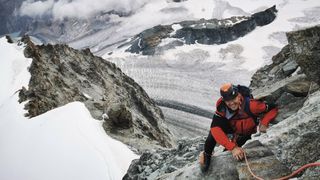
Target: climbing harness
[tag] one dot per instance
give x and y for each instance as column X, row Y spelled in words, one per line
column 285, row 177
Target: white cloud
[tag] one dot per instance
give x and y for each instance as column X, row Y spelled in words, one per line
column 38, row 8
column 77, row 8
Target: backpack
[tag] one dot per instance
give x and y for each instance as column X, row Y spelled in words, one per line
column 247, row 95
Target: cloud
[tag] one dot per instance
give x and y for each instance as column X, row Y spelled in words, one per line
column 59, row 9
column 38, row 8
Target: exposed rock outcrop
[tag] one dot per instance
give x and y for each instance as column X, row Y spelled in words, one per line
column 181, row 163
column 305, row 50
column 295, row 140
column 155, row 163
column 292, row 142
column 203, row 31
column 60, row 74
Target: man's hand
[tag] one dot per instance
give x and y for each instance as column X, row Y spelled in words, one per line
column 263, row 128
column 238, row 153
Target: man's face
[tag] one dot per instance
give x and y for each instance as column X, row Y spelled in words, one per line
column 233, row 104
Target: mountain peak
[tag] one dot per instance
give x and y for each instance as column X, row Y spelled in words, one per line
column 60, row 74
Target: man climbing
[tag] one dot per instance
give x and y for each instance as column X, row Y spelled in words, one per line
column 237, row 114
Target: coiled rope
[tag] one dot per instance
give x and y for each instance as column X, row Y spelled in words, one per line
column 285, row 177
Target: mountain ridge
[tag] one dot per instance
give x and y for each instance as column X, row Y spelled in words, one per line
column 60, row 74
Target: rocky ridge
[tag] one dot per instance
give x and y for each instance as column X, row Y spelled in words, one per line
column 292, row 82
column 60, row 74
column 212, row 31
column 295, row 139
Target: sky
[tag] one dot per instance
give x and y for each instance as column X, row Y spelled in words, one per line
column 64, row 143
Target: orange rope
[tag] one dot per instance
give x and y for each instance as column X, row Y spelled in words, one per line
column 282, row 178
column 257, row 177
column 299, row 170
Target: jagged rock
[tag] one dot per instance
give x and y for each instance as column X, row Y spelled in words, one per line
column 203, row 31
column 296, row 140
column 175, row 165
column 23, row 94
column 155, row 163
column 289, row 67
column 288, row 105
column 147, row 40
column 305, row 49
column 276, row 81
column 274, row 72
column 210, row 32
column 119, row 117
column 274, row 91
column 60, row 74
column 9, row 39
column 304, row 149
column 298, row 88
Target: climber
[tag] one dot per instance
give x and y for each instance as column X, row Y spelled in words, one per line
column 237, row 114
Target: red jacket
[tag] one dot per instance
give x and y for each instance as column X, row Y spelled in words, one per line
column 240, row 122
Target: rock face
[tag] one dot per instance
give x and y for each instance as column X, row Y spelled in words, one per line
column 181, row 163
column 292, row 82
column 305, row 48
column 211, row 31
column 155, row 163
column 285, row 80
column 60, row 74
column 295, row 140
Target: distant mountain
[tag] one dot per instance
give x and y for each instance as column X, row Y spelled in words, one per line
column 212, row 31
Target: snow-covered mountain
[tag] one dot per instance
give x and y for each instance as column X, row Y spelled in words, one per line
column 64, row 143
column 183, row 79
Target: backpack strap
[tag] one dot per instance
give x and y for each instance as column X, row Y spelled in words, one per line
column 244, row 91
column 248, row 111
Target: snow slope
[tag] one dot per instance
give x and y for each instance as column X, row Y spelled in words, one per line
column 64, row 143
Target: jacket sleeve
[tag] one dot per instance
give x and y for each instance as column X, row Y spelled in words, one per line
column 219, row 128
column 268, row 110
